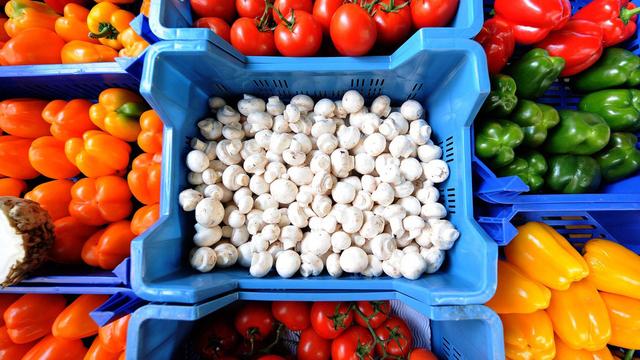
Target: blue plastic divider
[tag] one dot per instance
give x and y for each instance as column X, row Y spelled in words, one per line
column 67, row 82
column 456, row 332
column 172, row 20
column 447, row 76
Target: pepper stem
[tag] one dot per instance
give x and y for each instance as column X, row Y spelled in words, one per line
column 627, row 14
column 629, row 354
column 131, row 109
column 105, row 30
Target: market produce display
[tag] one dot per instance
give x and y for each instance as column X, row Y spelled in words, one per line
column 49, row 327
column 547, row 287
column 76, row 161
column 322, row 27
column 67, row 32
column 305, row 186
column 306, row 331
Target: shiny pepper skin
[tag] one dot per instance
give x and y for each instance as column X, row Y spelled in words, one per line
column 97, row 201
column 613, row 268
column 528, row 336
column 34, row 46
column 71, row 235
column 98, row 154
column 28, row 14
column 68, row 119
column 564, row 352
column 12, row 187
column 144, row 178
column 82, row 52
column 47, row 156
column 106, row 21
column 114, row 245
column 53, row 348
column 74, row 322
column 53, row 196
column 144, row 218
column 21, row 117
column 9, row 350
column 117, row 112
column 30, row 317
column 14, row 158
column 114, row 334
column 73, row 25
column 516, row 293
column 150, row 137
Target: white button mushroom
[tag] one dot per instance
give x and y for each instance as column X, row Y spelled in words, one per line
column 322, row 182
column 250, row 104
column 209, row 212
column 300, row 175
column 340, row 240
column 245, row 254
column 271, row 215
column 243, row 200
column 303, row 102
column 227, row 255
column 259, row 121
column 381, row 106
column 284, row 191
column 394, row 215
column 384, row 194
column 383, row 246
column 305, row 194
column 210, row 129
column 227, row 115
column 297, row 215
column 265, row 201
column 428, row 194
column 324, row 108
column 311, row 265
column 402, row 147
column 258, row 185
column 372, row 226
column 234, row 177
column 353, row 260
column 294, row 158
column 369, row 183
column 239, row 236
column 352, row 101
column 391, row 266
column 374, row 144
column 261, row 263
column 197, row 161
column 363, row 201
column 429, row 152
column 254, row 221
column 189, row 199
column 412, row 110
column 433, row 210
column 280, row 125
column 274, row 105
column 288, row 263
column 414, row 225
column 411, row 205
column 365, row 163
column 263, row 138
column 206, row 236
column 444, row 234
column 289, row 236
column 228, row 151
column 388, row 168
column 327, row 143
column 436, row 171
column 352, row 219
column 411, row 169
column 433, row 257
column 203, row 259
column 348, row 137
column 370, row 123
column 316, row 242
column 333, row 265
column 216, row 103
column 233, row 131
column 343, row 193
column 374, row 267
column 301, row 143
column 322, row 127
column 320, row 162
column 413, row 266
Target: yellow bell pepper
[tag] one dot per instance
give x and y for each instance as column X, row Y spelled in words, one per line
column 624, row 313
column 106, row 22
column 613, row 268
column 133, row 44
column 580, row 317
column 546, row 256
column 564, row 352
column 118, row 113
column 516, row 293
column 27, row 14
column 528, row 336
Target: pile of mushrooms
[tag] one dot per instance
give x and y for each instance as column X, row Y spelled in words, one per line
column 307, row 186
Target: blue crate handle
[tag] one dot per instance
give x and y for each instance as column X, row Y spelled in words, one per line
column 140, row 25
column 117, row 306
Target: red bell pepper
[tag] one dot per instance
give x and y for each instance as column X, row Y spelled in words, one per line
column 9, row 350
column 616, row 18
column 533, row 20
column 74, row 322
column 30, row 317
column 5, row 301
column 579, row 43
column 496, row 37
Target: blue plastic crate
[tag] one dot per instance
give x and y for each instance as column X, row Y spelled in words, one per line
column 172, row 20
column 51, row 82
column 511, row 190
column 447, row 76
column 452, row 332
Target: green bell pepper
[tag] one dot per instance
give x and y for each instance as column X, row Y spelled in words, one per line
column 535, row 72
column 535, row 120
column 529, row 167
column 616, row 67
column 495, row 141
column 502, row 98
column 620, row 108
column 620, row 158
column 578, row 133
column 573, row 174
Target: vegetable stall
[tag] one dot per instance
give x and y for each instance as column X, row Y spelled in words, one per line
column 299, row 179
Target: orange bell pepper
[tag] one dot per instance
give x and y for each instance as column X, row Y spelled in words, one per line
column 117, row 112
column 144, row 178
column 53, row 348
column 564, row 352
column 22, row 117
column 71, row 236
column 9, row 350
column 516, row 293
column 90, row 249
column 5, row 301
column 144, row 218
column 106, row 21
column 98, row 351
column 528, row 336
column 14, row 158
column 114, row 334
column 30, row 317
column 47, row 156
column 53, row 196
column 73, row 25
column 4, row 37
column 580, row 317
column 114, row 245
column 613, row 268
column 74, row 322
column 118, row 1
column 27, row 14
column 82, row 52
column 132, row 43
column 150, row 137
column 68, row 119
column 32, row 47
column 12, row 187
column 123, row 356
column 145, row 7
column 546, row 256
column 97, row 201
column 98, row 154
column 624, row 313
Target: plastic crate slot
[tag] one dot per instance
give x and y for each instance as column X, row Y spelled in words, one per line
column 446, row 347
column 415, row 91
column 456, row 354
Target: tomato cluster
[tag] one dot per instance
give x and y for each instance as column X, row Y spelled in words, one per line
column 304, row 27
column 323, row 331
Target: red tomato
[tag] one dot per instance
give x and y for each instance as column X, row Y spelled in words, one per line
column 354, row 344
column 432, row 13
column 330, row 319
column 397, row 336
column 215, row 338
column 323, row 11
column 293, row 314
column 224, row 9
column 284, row 6
column 252, row 37
column 298, row 35
column 254, row 320
column 353, row 31
column 313, row 347
column 422, row 354
column 377, row 312
column 393, row 22
column 217, row 25
column 250, row 8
